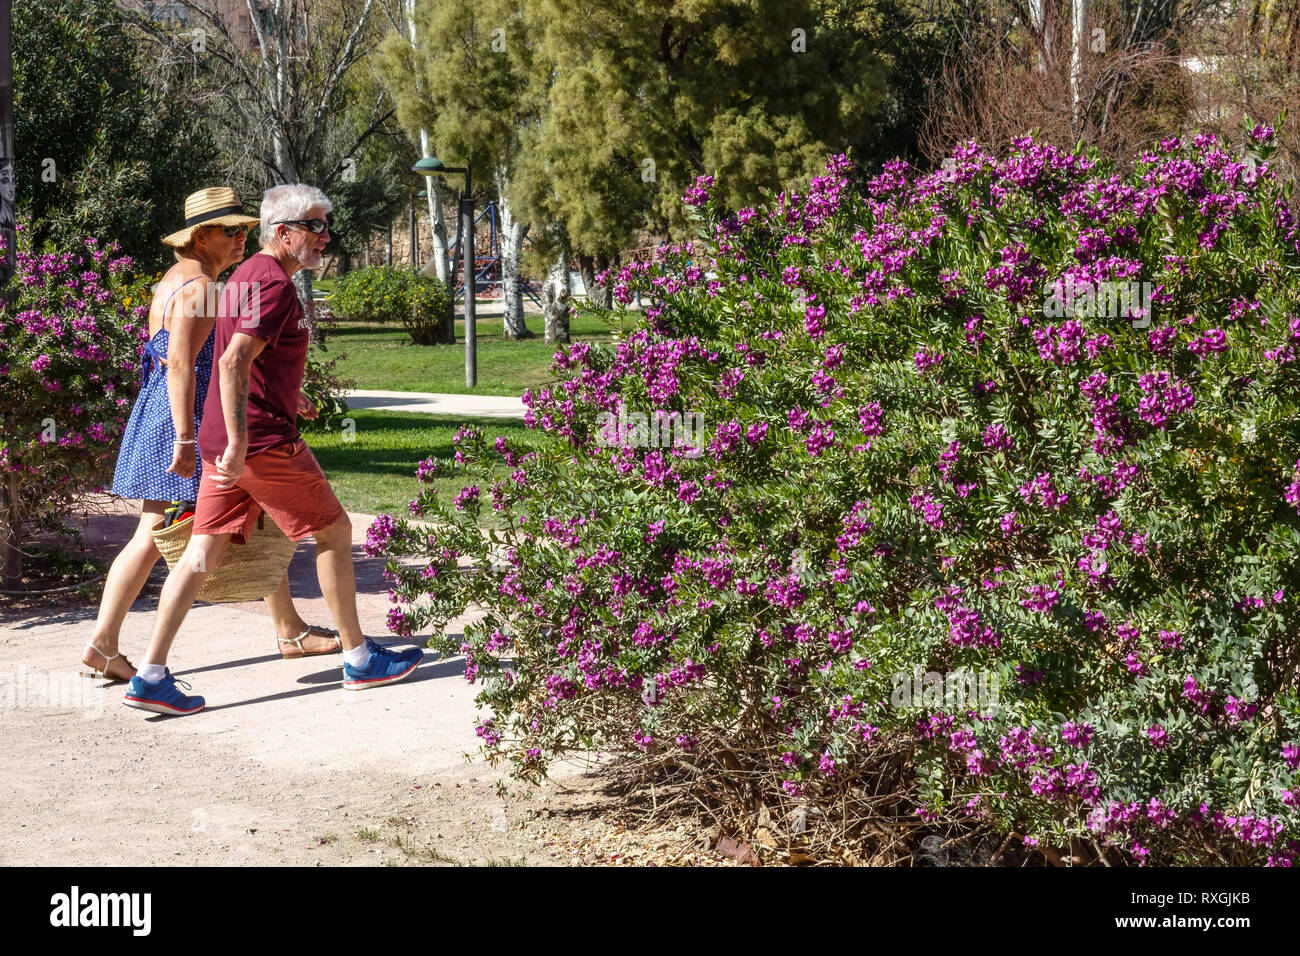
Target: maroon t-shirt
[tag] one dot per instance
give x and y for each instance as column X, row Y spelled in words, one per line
column 259, row 300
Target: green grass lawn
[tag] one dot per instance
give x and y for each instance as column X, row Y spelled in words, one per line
column 375, row 471
column 382, row 357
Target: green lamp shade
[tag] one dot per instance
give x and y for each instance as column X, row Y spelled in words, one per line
column 429, row 166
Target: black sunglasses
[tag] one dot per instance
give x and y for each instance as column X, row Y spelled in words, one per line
column 231, row 231
column 316, row 226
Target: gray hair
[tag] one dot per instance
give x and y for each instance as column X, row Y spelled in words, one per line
column 290, row 201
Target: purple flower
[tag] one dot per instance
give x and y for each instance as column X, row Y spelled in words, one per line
column 1207, row 343
column 1291, row 755
column 1040, row 599
column 1076, row 735
column 926, row 360
column 378, row 535
column 398, row 622
column 698, row 194
column 998, row 438
column 466, row 497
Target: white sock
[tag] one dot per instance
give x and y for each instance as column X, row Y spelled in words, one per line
column 358, row 656
column 152, row 673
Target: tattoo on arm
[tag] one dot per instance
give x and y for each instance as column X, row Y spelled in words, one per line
column 236, row 376
column 241, row 406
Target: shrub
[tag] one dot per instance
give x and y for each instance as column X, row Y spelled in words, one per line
column 919, row 462
column 391, row 295
column 70, row 336
column 322, row 381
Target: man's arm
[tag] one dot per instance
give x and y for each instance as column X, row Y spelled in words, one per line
column 236, row 365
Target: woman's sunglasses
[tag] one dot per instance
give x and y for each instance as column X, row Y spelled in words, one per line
column 231, row 231
column 316, row 226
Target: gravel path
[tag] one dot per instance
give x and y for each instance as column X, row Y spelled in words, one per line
column 283, row 767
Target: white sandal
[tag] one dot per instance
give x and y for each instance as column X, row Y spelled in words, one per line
column 302, row 652
column 103, row 671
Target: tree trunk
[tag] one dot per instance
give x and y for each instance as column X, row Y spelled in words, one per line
column 556, row 296
column 1080, row 9
column 512, row 247
column 598, row 296
column 1042, row 30
column 302, row 282
column 437, row 217
column 11, row 557
column 446, row 332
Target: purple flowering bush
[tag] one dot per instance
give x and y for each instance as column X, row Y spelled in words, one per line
column 937, row 443
column 70, row 334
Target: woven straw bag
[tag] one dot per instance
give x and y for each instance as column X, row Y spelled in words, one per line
column 248, row 571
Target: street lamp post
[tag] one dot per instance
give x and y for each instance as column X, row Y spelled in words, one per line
column 432, row 166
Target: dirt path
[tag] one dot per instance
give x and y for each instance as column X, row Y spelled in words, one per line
column 283, row 767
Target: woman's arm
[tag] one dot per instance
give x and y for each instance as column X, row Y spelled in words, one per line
column 190, row 326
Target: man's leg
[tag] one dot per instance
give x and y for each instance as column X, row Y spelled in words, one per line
column 288, row 484
column 201, row 556
column 151, row 688
column 338, row 581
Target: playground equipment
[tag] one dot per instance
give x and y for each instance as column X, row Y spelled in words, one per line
column 487, row 263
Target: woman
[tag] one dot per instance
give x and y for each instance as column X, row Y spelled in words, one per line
column 157, row 462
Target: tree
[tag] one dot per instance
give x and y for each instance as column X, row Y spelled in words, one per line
column 281, row 112
column 1115, row 78
column 470, row 83
column 105, row 146
column 642, row 97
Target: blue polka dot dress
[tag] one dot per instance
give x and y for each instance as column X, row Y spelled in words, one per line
column 147, row 444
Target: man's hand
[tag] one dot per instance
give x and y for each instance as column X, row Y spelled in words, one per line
column 230, row 465
column 182, row 460
column 305, row 407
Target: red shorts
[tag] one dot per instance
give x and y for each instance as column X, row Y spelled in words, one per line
column 285, row 481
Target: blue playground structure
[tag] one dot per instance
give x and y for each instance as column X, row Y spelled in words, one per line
column 487, row 268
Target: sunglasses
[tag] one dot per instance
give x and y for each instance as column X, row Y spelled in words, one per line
column 316, row 226
column 231, row 231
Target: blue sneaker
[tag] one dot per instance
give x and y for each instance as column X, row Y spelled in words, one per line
column 402, row 653
column 162, row 697
column 384, row 667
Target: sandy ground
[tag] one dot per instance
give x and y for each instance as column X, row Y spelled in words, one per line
column 283, row 766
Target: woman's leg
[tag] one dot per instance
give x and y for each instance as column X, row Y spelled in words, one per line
column 289, row 625
column 126, row 577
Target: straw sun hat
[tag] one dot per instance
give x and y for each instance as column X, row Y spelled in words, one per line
column 216, row 206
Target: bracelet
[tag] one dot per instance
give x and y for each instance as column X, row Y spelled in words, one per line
column 183, row 441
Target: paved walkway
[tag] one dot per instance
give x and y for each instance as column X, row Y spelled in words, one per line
column 437, row 403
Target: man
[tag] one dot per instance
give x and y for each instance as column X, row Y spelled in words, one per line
column 254, row 459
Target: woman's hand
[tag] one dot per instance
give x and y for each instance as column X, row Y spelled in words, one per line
column 182, row 460
column 305, row 407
